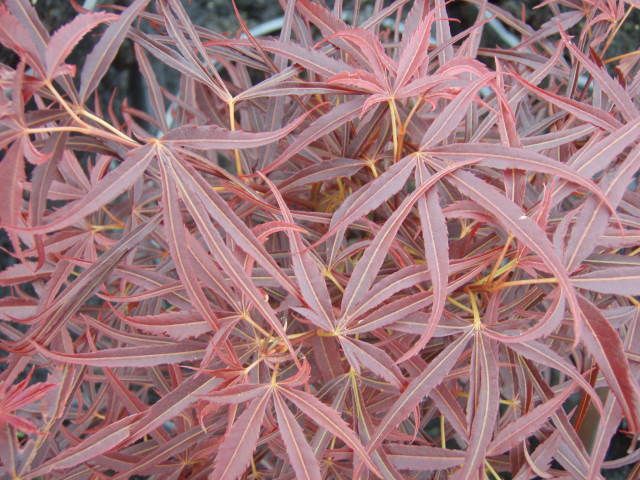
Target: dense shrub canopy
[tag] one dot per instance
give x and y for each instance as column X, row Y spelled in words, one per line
column 369, row 246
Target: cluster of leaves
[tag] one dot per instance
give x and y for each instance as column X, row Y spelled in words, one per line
column 371, row 249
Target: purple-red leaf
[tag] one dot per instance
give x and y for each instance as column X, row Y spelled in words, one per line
column 604, row 343
column 418, row 388
column 68, row 36
column 235, row 453
column 327, row 418
column 304, row 462
column 97, row 62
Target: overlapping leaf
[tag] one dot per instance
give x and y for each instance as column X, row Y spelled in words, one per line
column 424, row 262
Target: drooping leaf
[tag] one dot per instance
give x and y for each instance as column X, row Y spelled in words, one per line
column 612, row 88
column 209, row 137
column 177, row 325
column 325, row 124
column 540, row 353
column 85, row 285
column 415, row 51
column 12, row 170
column 615, row 281
column 304, row 462
column 604, row 343
column 450, row 117
column 593, row 217
column 524, row 426
column 422, row 458
column 311, row 282
column 235, row 453
column 130, row 356
column 99, row 443
column 581, row 110
column 328, row 418
column 435, row 238
column 15, row 397
column 110, row 187
column 236, row 394
column 373, row 358
column 486, row 409
column 67, row 37
column 418, row 388
column 176, row 234
column 103, row 53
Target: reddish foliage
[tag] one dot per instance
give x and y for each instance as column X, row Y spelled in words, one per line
column 341, row 253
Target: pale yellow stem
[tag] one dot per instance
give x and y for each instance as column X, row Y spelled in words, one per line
column 394, row 128
column 531, row 281
column 622, row 57
column 108, row 126
column 414, row 109
column 330, row 276
column 232, row 126
column 477, row 321
column 496, row 265
column 63, row 103
column 492, row 471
